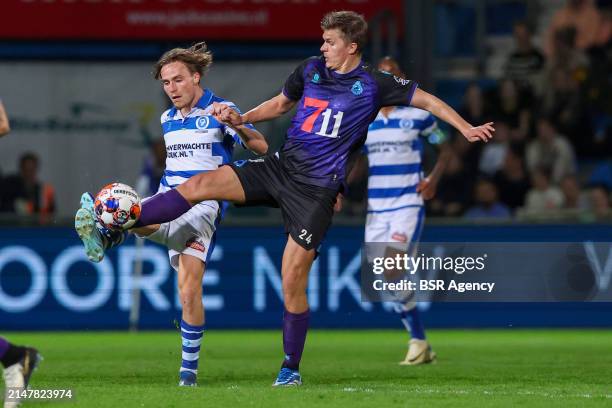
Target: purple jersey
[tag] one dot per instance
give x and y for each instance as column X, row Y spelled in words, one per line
column 332, row 118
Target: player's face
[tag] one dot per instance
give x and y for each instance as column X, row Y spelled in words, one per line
column 180, row 84
column 336, row 49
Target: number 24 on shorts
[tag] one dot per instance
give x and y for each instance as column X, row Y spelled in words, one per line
column 304, row 237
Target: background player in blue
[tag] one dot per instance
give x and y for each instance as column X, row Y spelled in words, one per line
column 195, row 142
column 396, row 189
column 337, row 95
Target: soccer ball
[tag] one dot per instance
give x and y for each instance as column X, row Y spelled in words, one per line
column 117, row 206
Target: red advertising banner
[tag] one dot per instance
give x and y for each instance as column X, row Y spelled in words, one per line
column 177, row 19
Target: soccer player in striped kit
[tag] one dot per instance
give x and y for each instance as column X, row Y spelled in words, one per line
column 337, row 95
column 195, row 143
column 396, row 189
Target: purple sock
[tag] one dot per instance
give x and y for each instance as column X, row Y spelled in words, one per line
column 163, row 207
column 295, row 327
column 4, row 346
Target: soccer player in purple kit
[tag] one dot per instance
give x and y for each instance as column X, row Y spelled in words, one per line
column 337, row 96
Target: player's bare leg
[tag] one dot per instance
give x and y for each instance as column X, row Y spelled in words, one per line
column 220, row 184
column 190, row 274
column 295, row 268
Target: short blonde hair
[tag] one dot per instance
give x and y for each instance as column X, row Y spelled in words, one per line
column 352, row 26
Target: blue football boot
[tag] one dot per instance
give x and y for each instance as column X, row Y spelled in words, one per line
column 288, row 378
column 85, row 226
column 187, row 379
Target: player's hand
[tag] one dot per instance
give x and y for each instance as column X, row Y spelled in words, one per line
column 482, row 132
column 226, row 115
column 427, row 188
column 338, row 203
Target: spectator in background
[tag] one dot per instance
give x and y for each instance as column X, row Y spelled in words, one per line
column 487, row 202
column 525, row 64
column 24, row 194
column 573, row 198
column 454, row 189
column 512, row 180
column 494, row 152
column 600, row 202
column 153, row 169
column 544, row 196
column 473, row 110
column 5, row 127
column 563, row 103
column 511, row 107
column 550, row 151
column 567, row 56
column 581, row 15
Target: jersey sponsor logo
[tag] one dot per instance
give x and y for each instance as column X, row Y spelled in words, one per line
column 202, row 122
column 357, row 88
column 315, row 78
column 401, row 80
column 406, row 124
column 194, row 243
column 399, row 237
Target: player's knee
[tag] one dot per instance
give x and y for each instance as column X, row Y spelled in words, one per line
column 190, row 296
column 293, row 287
column 192, row 189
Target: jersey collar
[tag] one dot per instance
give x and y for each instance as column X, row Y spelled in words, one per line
column 202, row 103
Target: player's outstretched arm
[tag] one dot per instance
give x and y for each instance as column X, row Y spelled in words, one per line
column 270, row 109
column 440, row 109
column 4, row 122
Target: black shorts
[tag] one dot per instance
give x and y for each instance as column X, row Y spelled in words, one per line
column 307, row 209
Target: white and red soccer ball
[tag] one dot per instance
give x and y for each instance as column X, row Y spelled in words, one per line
column 117, row 206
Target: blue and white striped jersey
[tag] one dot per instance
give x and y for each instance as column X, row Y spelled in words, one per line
column 394, row 152
column 195, row 143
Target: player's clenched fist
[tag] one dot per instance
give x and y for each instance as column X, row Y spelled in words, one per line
column 225, row 114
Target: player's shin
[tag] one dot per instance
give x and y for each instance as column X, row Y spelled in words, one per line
column 191, row 336
column 295, row 327
column 411, row 318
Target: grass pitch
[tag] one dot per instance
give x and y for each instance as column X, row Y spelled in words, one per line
column 340, row 368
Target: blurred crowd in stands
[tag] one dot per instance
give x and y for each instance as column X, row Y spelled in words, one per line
column 551, row 156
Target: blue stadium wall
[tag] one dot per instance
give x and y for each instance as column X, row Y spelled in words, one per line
column 47, row 284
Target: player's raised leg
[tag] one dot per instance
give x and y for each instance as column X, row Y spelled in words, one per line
column 190, row 273
column 19, row 362
column 221, row 184
column 295, row 268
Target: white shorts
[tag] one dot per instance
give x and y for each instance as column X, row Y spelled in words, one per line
column 400, row 229
column 193, row 233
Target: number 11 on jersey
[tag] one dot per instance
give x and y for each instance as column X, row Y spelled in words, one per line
column 327, row 114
